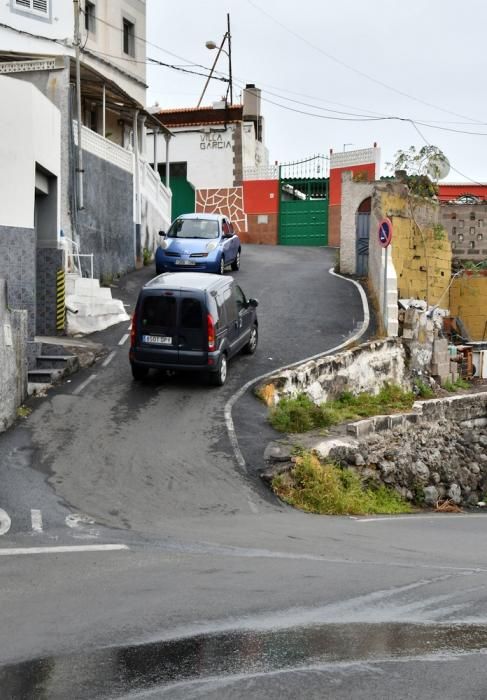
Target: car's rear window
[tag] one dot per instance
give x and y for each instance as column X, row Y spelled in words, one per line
column 158, row 312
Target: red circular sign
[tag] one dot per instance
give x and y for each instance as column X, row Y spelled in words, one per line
column 385, row 232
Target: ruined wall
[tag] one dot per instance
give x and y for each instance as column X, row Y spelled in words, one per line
column 365, row 368
column 468, row 301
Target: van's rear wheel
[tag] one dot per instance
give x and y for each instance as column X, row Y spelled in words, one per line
column 251, row 346
column 219, row 377
column 139, row 372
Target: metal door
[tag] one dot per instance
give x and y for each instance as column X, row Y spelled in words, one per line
column 362, row 236
column 303, row 203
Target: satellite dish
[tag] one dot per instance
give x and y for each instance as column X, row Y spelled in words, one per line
column 438, row 167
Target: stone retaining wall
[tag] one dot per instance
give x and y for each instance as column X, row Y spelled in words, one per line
column 438, row 451
column 13, row 359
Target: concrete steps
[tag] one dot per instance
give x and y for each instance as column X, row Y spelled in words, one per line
column 49, row 370
column 90, row 307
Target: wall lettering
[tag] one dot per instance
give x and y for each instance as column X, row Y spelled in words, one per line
column 211, row 142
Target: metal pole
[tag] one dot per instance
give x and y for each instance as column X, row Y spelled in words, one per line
column 104, row 111
column 229, row 39
column 385, row 289
column 77, row 43
column 211, row 70
column 155, row 133
column 167, row 138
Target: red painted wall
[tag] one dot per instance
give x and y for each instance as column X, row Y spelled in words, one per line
column 261, row 196
column 447, row 192
column 336, row 179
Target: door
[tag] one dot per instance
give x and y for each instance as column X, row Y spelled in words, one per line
column 245, row 315
column 362, row 247
column 158, row 333
column 192, row 336
column 229, row 242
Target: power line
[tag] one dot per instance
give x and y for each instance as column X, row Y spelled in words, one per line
column 356, row 70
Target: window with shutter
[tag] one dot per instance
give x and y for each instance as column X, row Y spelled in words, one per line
column 38, row 8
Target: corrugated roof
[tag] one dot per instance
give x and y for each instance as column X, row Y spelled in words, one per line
column 194, row 116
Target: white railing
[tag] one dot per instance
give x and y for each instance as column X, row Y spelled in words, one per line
column 72, row 257
column 104, row 148
column 152, row 188
column 266, row 172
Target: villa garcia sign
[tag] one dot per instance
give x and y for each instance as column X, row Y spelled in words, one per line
column 213, row 142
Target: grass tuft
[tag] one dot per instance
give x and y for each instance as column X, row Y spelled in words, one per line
column 458, row 384
column 329, row 490
column 301, row 414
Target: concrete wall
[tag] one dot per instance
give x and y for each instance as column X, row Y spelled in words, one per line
column 468, row 301
column 13, row 359
column 57, row 24
column 261, row 204
column 106, row 225
column 365, row 368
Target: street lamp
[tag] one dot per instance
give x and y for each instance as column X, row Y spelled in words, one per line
column 211, row 45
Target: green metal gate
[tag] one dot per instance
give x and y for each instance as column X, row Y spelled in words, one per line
column 303, row 203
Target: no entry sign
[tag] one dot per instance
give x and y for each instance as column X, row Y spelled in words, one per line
column 385, row 232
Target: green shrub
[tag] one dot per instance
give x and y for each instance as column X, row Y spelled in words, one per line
column 424, row 390
column 328, row 489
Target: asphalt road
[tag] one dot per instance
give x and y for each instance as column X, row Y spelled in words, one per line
column 199, row 583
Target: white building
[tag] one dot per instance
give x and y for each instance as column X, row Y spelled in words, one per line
column 110, row 203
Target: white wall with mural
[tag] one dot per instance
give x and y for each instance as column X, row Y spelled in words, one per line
column 29, row 135
column 208, row 151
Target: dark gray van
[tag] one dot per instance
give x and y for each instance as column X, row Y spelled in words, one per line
column 191, row 321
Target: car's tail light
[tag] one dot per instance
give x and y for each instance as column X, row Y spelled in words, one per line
column 133, row 330
column 211, row 333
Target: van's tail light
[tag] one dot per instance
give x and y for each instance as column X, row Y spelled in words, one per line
column 211, row 334
column 133, row 330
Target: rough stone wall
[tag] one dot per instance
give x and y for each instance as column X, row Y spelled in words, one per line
column 468, row 301
column 13, row 359
column 18, row 268
column 437, row 452
column 49, row 261
column 106, row 225
column 366, row 368
column 466, row 225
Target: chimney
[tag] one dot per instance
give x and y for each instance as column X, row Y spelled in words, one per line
column 251, row 102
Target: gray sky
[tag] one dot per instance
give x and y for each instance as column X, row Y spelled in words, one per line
column 430, row 50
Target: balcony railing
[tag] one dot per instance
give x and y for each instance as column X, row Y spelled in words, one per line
column 104, row 148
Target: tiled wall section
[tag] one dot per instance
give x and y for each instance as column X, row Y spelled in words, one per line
column 49, row 261
column 225, row 200
column 18, row 268
column 261, row 228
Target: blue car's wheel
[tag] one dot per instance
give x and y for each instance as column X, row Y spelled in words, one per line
column 221, row 269
column 236, row 262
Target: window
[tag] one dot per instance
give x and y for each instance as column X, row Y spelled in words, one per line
column 472, row 230
column 39, row 8
column 461, row 223
column 240, row 298
column 454, row 231
column 480, row 236
column 454, row 215
column 90, row 17
column 472, row 216
column 128, row 37
column 460, row 237
column 471, row 244
column 158, row 313
column 191, row 316
column 480, row 222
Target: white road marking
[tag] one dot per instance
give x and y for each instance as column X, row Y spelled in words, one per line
column 413, row 517
column 5, row 522
column 130, row 327
column 62, row 549
column 238, row 395
column 84, row 384
column 123, row 339
column 36, row 519
column 108, row 359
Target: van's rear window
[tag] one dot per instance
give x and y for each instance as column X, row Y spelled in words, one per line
column 158, row 312
column 191, row 313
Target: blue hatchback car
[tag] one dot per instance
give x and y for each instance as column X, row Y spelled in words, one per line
column 198, row 243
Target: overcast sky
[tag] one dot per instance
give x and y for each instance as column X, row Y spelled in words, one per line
column 348, row 56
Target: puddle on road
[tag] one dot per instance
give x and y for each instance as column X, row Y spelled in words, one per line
column 111, row 671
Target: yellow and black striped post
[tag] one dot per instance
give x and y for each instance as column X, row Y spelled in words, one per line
column 60, row 299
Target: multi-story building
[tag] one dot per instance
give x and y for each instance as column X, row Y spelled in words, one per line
column 108, row 204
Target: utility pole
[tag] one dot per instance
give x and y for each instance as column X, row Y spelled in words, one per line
column 229, row 40
column 77, row 44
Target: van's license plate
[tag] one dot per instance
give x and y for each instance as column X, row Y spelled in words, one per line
column 157, row 339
